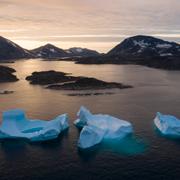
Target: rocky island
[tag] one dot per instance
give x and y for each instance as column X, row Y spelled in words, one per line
column 49, row 77
column 63, row 81
column 6, row 74
column 4, row 92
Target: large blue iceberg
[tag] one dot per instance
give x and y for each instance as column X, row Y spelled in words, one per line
column 97, row 127
column 16, row 125
column 167, row 124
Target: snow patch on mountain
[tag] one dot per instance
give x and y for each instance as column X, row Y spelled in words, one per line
column 79, row 50
column 165, row 45
column 52, row 50
column 146, row 46
column 141, row 43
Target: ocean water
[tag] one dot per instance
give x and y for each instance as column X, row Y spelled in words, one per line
column 144, row 155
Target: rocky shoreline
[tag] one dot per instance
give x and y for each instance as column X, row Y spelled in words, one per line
column 6, row 74
column 166, row 63
column 85, row 83
column 49, row 77
column 4, row 92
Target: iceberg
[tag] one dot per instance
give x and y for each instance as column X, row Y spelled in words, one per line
column 97, row 127
column 167, row 124
column 90, row 136
column 16, row 125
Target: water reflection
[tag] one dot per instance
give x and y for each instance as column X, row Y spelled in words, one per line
column 89, row 154
column 175, row 138
column 154, row 90
column 53, row 143
column 12, row 147
column 128, row 146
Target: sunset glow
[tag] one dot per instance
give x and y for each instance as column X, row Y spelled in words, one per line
column 94, row 24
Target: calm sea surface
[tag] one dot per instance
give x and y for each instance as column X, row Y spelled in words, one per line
column 145, row 155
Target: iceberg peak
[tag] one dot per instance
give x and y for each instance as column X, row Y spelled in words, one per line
column 97, row 127
column 167, row 124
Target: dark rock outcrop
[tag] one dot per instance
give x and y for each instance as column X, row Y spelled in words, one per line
column 62, row 81
column 85, row 83
column 49, row 77
column 167, row 63
column 6, row 74
column 5, row 92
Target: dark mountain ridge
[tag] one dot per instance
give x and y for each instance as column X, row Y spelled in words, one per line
column 12, row 51
column 141, row 50
column 145, row 46
column 49, row 51
column 9, row 50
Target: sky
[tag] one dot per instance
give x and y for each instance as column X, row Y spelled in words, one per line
column 95, row 24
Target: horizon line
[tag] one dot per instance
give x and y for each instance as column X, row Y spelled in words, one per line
column 44, row 42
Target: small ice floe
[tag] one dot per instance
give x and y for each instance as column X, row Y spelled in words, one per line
column 167, row 125
column 16, row 125
column 99, row 127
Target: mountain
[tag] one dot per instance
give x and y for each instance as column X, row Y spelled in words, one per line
column 141, row 50
column 49, row 51
column 10, row 50
column 81, row 52
column 146, row 46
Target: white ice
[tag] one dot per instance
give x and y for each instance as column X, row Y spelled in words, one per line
column 167, row 124
column 98, row 127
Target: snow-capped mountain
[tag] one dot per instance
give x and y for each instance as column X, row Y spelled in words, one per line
column 49, row 51
column 10, row 50
column 146, row 46
column 81, row 52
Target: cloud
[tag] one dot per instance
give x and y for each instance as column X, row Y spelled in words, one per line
column 82, row 17
column 91, row 13
column 5, row 2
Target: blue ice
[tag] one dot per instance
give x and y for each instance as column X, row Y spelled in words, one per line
column 167, row 124
column 16, row 125
column 98, row 127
